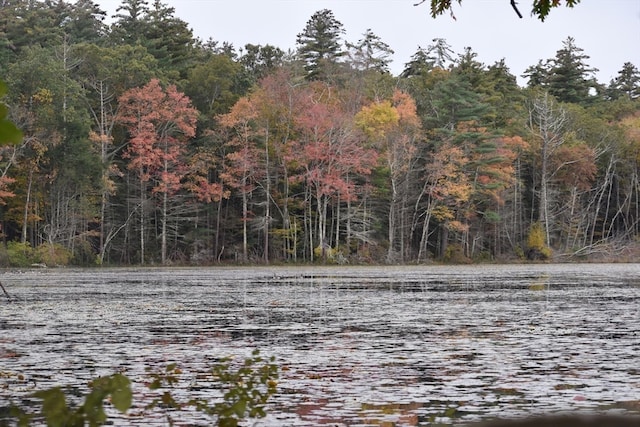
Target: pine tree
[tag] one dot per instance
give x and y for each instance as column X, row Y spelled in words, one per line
column 570, row 79
column 440, row 53
column 627, row 83
column 419, row 64
column 319, row 44
column 537, row 75
column 370, row 53
column 132, row 22
column 437, row 55
column 169, row 39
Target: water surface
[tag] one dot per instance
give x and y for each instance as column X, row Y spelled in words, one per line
column 363, row 346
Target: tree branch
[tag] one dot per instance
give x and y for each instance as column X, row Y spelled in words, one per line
column 5, row 292
column 514, row 5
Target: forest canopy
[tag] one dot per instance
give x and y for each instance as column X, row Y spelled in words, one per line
column 142, row 144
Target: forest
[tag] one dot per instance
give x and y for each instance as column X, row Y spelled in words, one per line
column 144, row 145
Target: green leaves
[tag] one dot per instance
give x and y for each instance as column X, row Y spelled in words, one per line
column 541, row 8
column 117, row 386
column 9, row 133
column 57, row 413
column 246, row 387
column 54, row 407
column 245, row 391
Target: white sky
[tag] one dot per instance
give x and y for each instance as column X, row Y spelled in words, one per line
column 607, row 30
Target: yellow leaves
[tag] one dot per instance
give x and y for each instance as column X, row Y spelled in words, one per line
column 377, row 119
column 631, row 128
column 100, row 139
column 443, row 214
column 43, row 96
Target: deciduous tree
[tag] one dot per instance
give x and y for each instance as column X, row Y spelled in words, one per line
column 547, row 123
column 241, row 168
column 328, row 155
column 159, row 123
column 393, row 127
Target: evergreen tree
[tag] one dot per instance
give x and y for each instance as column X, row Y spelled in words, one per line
column 370, row 53
column 437, row 55
column 627, row 83
column 452, row 101
column 537, row 74
column 169, row 39
column 25, row 23
column 259, row 61
column 319, row 44
column 468, row 67
column 132, row 22
column 570, row 79
column 500, row 90
column 440, row 53
column 419, row 64
column 84, row 22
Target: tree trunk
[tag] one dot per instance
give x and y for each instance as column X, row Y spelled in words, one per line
column 142, row 220
column 25, row 218
column 163, row 236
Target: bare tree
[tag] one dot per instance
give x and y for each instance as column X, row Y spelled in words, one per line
column 547, row 122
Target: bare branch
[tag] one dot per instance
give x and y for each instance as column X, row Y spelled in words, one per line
column 514, row 5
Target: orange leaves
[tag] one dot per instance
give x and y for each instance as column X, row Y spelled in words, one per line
column 445, row 175
column 240, row 115
column 631, row 128
column 405, row 105
column 576, row 166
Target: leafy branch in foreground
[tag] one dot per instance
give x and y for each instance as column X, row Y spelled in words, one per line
column 56, row 412
column 540, row 8
column 246, row 389
column 245, row 392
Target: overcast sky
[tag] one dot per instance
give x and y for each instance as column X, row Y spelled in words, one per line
column 607, row 30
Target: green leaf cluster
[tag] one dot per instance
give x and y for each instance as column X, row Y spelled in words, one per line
column 9, row 133
column 246, row 389
column 57, row 412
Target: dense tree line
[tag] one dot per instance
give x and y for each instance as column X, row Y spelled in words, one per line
column 143, row 144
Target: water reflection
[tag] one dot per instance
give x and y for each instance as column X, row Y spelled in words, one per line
column 357, row 346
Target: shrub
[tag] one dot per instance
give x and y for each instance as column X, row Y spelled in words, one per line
column 20, row 254
column 536, row 247
column 53, row 254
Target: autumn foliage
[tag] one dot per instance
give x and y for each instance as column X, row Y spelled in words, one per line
column 140, row 144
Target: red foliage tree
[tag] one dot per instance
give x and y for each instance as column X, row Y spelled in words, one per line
column 159, row 123
column 328, row 154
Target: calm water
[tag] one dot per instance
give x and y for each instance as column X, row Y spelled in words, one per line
column 357, row 346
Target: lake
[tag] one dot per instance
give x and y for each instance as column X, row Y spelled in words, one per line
column 365, row 346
